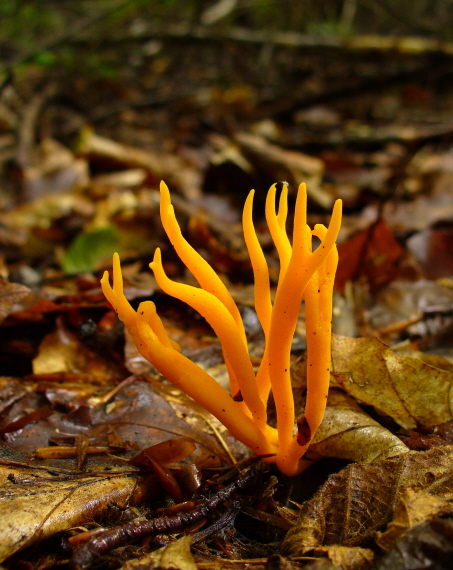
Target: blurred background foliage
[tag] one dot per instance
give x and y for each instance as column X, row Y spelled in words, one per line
column 104, row 33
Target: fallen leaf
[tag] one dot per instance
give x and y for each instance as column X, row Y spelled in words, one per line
column 402, row 387
column 35, row 416
column 413, row 508
column 347, row 432
column 422, row 301
column 36, row 504
column 354, row 503
column 166, row 452
column 175, row 556
column 427, row 546
column 371, row 254
column 60, row 351
column 425, row 438
column 11, row 391
column 104, row 183
column 282, row 164
column 171, row 167
column 41, row 212
column 52, row 168
column 89, row 249
column 347, row 558
column 139, row 413
column 418, row 214
column 10, row 294
column 432, row 249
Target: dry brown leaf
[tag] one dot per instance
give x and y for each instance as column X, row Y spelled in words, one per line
column 36, row 505
column 175, row 556
column 104, row 183
column 60, row 351
column 173, row 168
column 127, row 417
column 403, row 387
column 434, row 360
column 286, row 165
column 346, row 557
column 413, row 508
column 94, row 146
column 41, row 212
column 52, row 169
column 432, row 249
column 10, row 294
column 347, row 432
column 418, row 214
column 354, row 503
column 410, row 301
column 139, row 413
column 428, row 546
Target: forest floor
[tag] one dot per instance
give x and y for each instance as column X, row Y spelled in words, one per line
column 82, row 413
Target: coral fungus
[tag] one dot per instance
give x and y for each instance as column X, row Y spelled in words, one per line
column 304, row 273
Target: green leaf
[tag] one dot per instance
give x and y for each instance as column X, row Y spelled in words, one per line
column 45, row 59
column 88, row 248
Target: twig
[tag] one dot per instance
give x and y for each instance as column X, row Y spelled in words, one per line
column 85, row 555
column 225, row 520
column 401, row 44
column 27, row 130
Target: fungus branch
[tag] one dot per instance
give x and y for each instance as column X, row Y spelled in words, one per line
column 303, row 273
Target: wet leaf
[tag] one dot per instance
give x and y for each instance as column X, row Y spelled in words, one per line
column 36, row 503
column 347, row 432
column 35, row 416
column 139, row 413
column 372, row 254
column 11, row 391
column 167, row 480
column 353, row 504
column 424, row 438
column 166, row 452
column 403, row 387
